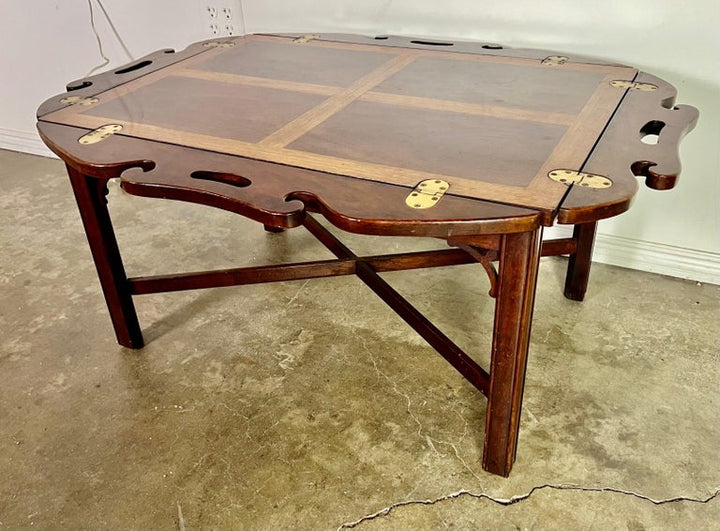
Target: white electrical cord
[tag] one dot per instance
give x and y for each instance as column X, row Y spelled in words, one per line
column 105, row 58
column 115, row 31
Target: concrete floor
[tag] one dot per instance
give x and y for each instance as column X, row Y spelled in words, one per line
column 310, row 405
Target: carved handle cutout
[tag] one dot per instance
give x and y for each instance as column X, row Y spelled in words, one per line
column 219, row 177
column 132, row 68
column 433, row 43
column 77, row 85
column 650, row 132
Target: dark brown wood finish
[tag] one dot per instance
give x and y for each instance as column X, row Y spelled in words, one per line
column 90, row 195
column 578, row 271
column 620, row 152
column 443, row 138
column 489, row 49
column 277, row 196
column 276, row 128
column 519, row 258
column 270, row 228
column 91, row 86
column 558, row 247
column 298, row 271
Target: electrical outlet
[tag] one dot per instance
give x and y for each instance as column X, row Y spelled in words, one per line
column 220, row 18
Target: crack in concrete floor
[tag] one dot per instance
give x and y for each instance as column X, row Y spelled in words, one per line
column 500, row 501
column 521, row 497
column 198, row 432
column 420, row 429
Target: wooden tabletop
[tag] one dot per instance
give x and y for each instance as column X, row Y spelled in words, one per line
column 524, row 134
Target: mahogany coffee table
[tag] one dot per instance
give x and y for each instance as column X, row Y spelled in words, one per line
column 475, row 144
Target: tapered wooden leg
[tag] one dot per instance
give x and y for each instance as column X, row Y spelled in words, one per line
column 578, row 271
column 90, row 196
column 517, row 277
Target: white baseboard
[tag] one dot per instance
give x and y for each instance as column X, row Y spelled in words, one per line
column 690, row 264
column 701, row 266
column 24, row 142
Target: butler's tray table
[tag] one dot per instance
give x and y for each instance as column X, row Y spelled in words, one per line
column 471, row 143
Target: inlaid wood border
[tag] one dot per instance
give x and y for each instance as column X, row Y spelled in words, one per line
column 582, row 132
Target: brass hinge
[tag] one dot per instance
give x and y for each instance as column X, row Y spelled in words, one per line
column 306, row 38
column 78, row 100
column 99, row 134
column 219, row 44
column 632, row 85
column 427, row 193
column 555, row 60
column 588, row 180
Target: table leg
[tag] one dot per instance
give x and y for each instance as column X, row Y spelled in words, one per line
column 270, row 228
column 578, row 270
column 519, row 257
column 90, row 195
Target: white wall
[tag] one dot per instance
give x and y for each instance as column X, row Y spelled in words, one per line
column 44, row 44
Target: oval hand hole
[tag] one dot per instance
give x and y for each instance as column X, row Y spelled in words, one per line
column 432, row 43
column 220, row 177
column 381, row 38
column 132, row 68
column 492, row 47
column 79, row 85
column 650, row 132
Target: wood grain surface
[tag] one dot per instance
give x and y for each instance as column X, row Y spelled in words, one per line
column 491, row 126
column 277, row 195
column 490, row 121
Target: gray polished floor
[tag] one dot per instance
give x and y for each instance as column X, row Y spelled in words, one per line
column 310, row 405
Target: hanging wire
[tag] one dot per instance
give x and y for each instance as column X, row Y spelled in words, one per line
column 105, row 58
column 115, row 31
